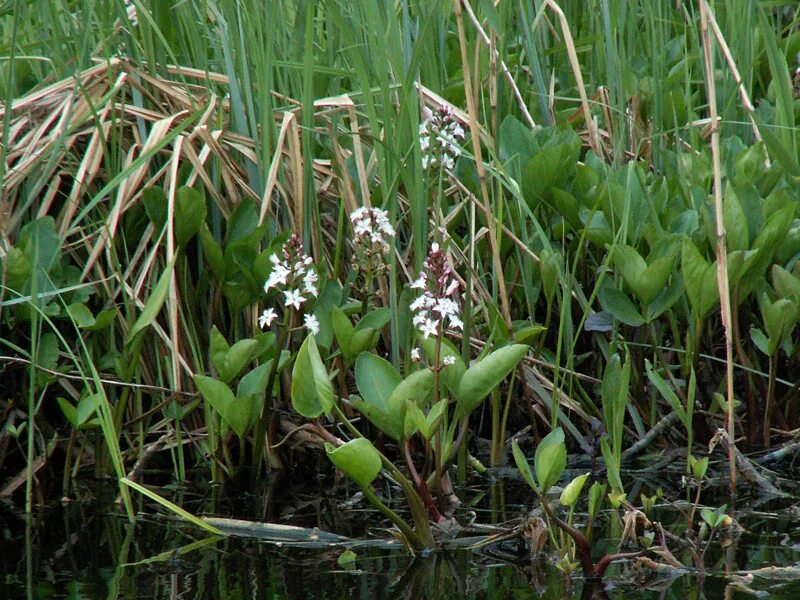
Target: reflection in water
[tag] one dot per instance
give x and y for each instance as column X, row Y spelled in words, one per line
column 87, row 550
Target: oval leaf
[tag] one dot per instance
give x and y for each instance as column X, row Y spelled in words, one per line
column 550, row 459
column 358, row 459
column 522, row 464
column 573, row 490
column 312, row 392
column 485, row 375
column 376, row 379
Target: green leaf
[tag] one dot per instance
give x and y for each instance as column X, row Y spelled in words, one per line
column 343, row 330
column 346, row 559
column 376, row 379
column 414, row 421
column 700, row 279
column 522, row 464
column 699, row 466
column 715, row 517
column 374, row 319
column 784, row 100
column 230, row 360
column 654, row 279
column 243, row 412
column 218, row 346
column 665, row 299
column 614, row 396
column 630, row 265
column 780, row 318
column 103, row 319
column 612, row 467
column 312, row 392
column 237, row 357
column 358, row 459
column 155, row 205
column 190, row 213
column 363, row 339
column 515, row 143
column 221, row 398
column 417, row 387
column 451, row 375
column 618, row 304
column 528, row 334
column 81, row 316
column 154, row 302
column 243, row 222
column 212, row 252
column 552, row 166
column 666, row 392
column 737, row 236
column 417, row 421
column 385, row 394
column 550, row 267
column 255, row 382
column 785, row 283
column 760, row 340
column 486, row 374
column 87, row 406
column 69, row 411
column 550, row 459
column 572, row 492
column 596, row 494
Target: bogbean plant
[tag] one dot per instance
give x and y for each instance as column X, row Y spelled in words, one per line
column 428, row 405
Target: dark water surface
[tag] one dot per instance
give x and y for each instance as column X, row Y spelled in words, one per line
column 86, row 548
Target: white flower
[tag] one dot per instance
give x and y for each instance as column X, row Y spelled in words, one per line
column 440, row 135
column 372, row 229
column 420, row 283
column 293, row 298
column 278, row 276
column 309, row 281
column 438, row 302
column 267, row 317
column 418, row 304
column 429, row 327
column 311, row 323
column 415, row 356
column 446, row 307
column 449, row 360
column 452, row 288
column 130, row 8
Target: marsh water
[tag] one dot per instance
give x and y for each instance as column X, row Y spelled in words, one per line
column 85, row 547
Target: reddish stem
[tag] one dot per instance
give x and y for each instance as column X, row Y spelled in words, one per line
column 421, row 486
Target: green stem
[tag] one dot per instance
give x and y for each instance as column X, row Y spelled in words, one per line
column 494, row 459
column 415, row 505
column 266, row 412
column 437, row 458
column 773, row 367
column 411, row 536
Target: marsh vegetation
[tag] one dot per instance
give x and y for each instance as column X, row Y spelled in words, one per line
column 411, row 249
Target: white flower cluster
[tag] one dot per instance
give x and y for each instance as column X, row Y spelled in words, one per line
column 440, row 136
column 438, row 303
column 130, row 8
column 293, row 275
column 372, row 229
